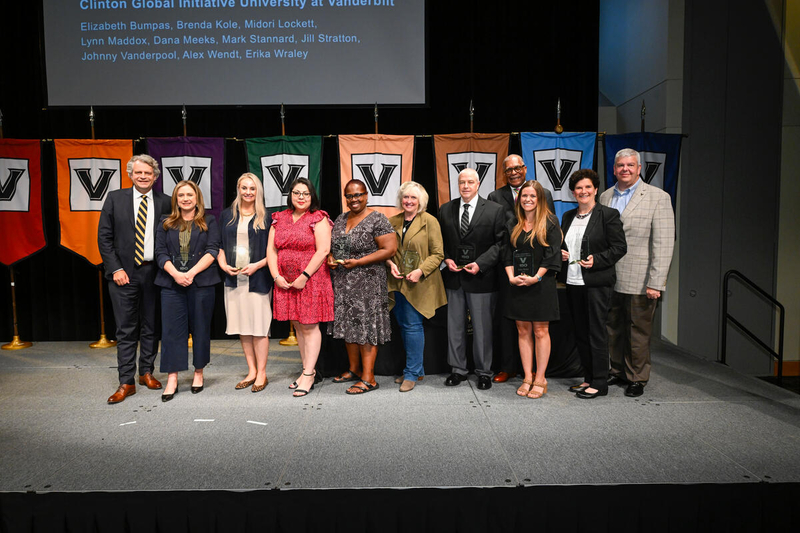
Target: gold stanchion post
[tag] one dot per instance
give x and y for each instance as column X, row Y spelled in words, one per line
column 103, row 342
column 291, row 340
column 15, row 343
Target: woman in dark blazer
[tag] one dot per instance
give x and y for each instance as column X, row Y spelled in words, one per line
column 593, row 242
column 187, row 244
column 248, row 283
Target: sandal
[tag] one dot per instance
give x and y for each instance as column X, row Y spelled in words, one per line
column 346, row 376
column 522, row 390
column 363, row 390
column 299, row 393
column 542, row 390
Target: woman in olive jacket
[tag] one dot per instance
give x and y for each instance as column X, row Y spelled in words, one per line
column 415, row 284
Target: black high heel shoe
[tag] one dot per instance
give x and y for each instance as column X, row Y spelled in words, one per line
column 167, row 397
column 302, row 391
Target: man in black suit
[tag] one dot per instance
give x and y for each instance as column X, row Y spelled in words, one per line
column 516, row 172
column 126, row 238
column 473, row 230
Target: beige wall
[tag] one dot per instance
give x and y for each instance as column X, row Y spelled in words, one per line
column 641, row 59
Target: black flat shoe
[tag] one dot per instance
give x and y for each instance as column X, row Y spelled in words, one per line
column 578, row 388
column 168, row 397
column 195, row 390
column 583, row 395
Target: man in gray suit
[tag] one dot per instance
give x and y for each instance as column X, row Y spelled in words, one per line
column 649, row 225
column 473, row 232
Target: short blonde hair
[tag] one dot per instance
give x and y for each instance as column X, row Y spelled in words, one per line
column 422, row 195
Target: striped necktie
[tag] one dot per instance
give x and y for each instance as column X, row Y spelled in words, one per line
column 465, row 220
column 141, row 226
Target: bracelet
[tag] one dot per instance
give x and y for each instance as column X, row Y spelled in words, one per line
column 539, row 278
column 306, row 274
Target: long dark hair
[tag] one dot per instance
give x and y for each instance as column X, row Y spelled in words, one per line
column 314, row 199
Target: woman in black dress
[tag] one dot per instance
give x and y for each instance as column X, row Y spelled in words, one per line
column 533, row 302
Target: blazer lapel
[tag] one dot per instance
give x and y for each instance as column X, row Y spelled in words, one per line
column 416, row 227
column 638, row 195
column 127, row 207
column 479, row 209
column 508, row 194
column 592, row 222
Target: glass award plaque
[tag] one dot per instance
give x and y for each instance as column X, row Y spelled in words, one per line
column 465, row 254
column 523, row 263
column 340, row 248
column 584, row 253
column 410, row 262
column 241, row 257
column 182, row 262
column 585, row 250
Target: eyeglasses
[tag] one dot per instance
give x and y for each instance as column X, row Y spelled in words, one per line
column 511, row 170
column 301, row 194
column 354, row 196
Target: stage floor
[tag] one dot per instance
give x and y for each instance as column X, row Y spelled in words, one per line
column 698, row 422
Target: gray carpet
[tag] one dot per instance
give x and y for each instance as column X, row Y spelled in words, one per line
column 698, row 422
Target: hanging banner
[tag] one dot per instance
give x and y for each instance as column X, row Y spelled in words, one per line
column 661, row 156
column 87, row 170
column 20, row 200
column 551, row 159
column 382, row 162
column 483, row 152
column 197, row 159
column 278, row 161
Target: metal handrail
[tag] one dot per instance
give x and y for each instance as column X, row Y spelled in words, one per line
column 726, row 316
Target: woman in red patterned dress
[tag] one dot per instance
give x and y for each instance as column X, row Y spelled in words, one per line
column 299, row 241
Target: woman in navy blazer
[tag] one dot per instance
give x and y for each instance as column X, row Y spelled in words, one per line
column 187, row 244
column 593, row 242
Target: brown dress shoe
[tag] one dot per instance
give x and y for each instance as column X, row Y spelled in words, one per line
column 122, row 392
column 150, row 381
column 502, row 377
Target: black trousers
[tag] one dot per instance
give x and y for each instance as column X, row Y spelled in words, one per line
column 186, row 310
column 589, row 309
column 136, row 313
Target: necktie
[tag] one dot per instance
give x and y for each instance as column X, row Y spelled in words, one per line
column 465, row 219
column 141, row 225
column 516, row 192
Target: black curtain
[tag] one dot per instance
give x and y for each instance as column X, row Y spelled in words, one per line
column 512, row 59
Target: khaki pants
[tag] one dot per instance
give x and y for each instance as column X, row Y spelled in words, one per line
column 630, row 323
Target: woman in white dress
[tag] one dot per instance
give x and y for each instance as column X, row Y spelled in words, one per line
column 248, row 283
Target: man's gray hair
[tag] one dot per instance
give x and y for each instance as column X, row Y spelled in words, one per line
column 147, row 160
column 628, row 152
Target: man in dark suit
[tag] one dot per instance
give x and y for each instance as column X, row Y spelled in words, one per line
column 126, row 238
column 473, row 231
column 516, row 172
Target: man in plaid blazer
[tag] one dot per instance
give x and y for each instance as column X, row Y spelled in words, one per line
column 649, row 225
